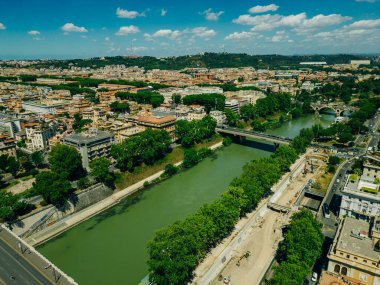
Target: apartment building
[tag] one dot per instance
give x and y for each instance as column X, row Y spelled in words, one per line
column 7, row 146
column 124, row 130
column 360, row 196
column 91, row 145
column 41, row 107
column 233, row 105
column 166, row 123
column 38, row 135
column 355, row 253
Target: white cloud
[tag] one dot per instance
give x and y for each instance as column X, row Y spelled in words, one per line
column 2, row 26
column 263, row 9
column 299, row 21
column 163, row 12
column 121, row 13
column 210, row 15
column 203, row 32
column 70, row 27
column 321, row 21
column 365, row 24
column 237, row 36
column 33, row 33
column 127, row 30
column 166, row 33
column 177, row 35
column 279, row 37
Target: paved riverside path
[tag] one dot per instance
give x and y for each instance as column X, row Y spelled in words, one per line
column 259, row 233
column 73, row 220
column 13, row 264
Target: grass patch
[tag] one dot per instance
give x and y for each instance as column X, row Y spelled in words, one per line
column 354, row 177
column 324, row 181
column 369, row 190
column 143, row 171
column 10, row 184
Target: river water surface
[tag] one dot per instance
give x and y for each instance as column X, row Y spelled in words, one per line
column 110, row 248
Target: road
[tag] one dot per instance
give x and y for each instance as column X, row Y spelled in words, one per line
column 12, row 264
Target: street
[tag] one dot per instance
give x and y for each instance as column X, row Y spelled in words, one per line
column 16, row 270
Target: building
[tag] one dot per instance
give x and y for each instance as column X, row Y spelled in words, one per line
column 41, row 108
column 91, row 145
column 354, row 253
column 123, row 131
column 219, row 117
column 360, row 196
column 166, row 123
column 38, row 135
column 233, row 105
column 360, row 62
column 7, row 146
column 10, row 123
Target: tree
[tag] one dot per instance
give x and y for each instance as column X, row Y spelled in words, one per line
column 232, row 118
column 66, row 161
column 191, row 158
column 176, row 99
column 54, row 188
column 119, row 107
column 83, row 183
column 11, row 207
column 171, row 169
column 146, row 147
column 100, row 170
column 13, row 166
column 37, row 158
column 334, row 160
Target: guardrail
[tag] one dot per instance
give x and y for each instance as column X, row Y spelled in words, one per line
column 40, row 262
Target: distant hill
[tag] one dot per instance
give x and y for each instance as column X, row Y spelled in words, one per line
column 208, row 60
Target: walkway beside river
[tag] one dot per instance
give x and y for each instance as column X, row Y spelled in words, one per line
column 75, row 219
column 259, row 233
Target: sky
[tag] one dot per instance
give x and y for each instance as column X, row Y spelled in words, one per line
column 46, row 29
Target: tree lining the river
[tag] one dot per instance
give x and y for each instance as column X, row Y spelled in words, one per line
column 176, row 250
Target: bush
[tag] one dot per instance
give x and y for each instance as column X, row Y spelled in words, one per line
column 227, row 141
column 171, row 169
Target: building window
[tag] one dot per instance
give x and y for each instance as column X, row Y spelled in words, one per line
column 364, row 260
column 355, row 258
column 348, row 256
column 343, row 271
column 337, row 268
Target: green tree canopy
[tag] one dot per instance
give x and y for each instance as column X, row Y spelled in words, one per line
column 66, row 161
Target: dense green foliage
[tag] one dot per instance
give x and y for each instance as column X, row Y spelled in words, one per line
column 299, row 250
column 119, row 107
column 145, row 97
column 209, row 101
column 53, row 187
column 190, row 133
column 100, row 170
column 267, row 106
column 11, row 206
column 170, row 169
column 66, row 161
column 9, row 164
column 192, row 156
column 210, row 60
column 146, row 147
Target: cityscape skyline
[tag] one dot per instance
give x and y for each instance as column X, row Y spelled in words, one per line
column 81, row 30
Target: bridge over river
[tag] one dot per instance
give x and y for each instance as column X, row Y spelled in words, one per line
column 276, row 140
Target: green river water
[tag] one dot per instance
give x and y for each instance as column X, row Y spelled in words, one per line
column 110, row 248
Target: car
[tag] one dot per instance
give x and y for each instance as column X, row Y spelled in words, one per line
column 314, row 277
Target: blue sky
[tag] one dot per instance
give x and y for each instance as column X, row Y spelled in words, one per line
column 86, row 28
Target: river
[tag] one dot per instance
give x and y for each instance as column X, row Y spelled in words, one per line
column 110, row 248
